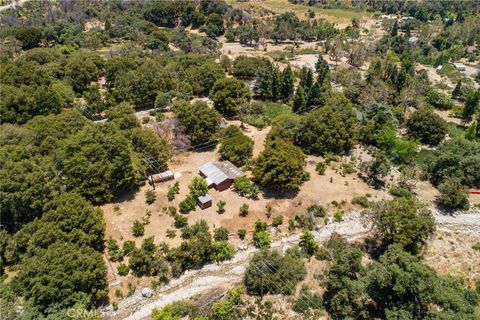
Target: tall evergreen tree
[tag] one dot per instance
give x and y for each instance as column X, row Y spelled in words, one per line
column 308, row 80
column 394, row 31
column 321, row 66
column 287, row 84
column 276, row 83
column 299, row 102
column 472, row 104
column 264, row 83
column 316, row 96
column 457, row 91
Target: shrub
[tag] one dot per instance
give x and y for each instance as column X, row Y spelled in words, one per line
column 271, row 272
column 198, row 187
column 187, row 205
column 347, row 168
column 171, row 233
column 338, row 216
column 180, row 221
column 242, row 233
column 277, row 220
column 321, row 168
column 427, row 126
column 114, row 252
column 222, row 251
column 128, row 247
column 308, row 244
column 122, row 269
column 452, row 195
column 476, row 246
column 138, row 229
column 246, row 188
column 361, row 201
column 173, row 190
column 244, row 210
column 262, row 239
column 221, row 234
column 317, row 210
column 150, row 196
column 221, row 207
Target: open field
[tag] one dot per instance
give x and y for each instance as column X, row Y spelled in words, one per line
column 341, row 17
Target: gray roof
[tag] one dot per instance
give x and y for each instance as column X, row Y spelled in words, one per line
column 204, row 199
column 213, row 173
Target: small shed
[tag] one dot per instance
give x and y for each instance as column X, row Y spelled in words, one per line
column 205, row 201
column 161, row 177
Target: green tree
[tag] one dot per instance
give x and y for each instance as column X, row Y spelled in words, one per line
column 198, row 120
column 402, row 221
column 198, row 187
column 222, row 251
column 97, row 163
column 472, row 105
column 123, row 115
column 63, row 275
column 457, row 91
column 299, row 100
column 138, row 229
column 203, row 77
column 271, row 272
column 308, row 244
column 81, row 70
column 245, row 187
column 328, row 130
column 236, row 146
column 317, row 95
column 456, row 158
column 322, row 68
column 287, row 84
column 230, row 96
column 427, row 126
column 30, row 37
column 452, row 195
column 280, row 166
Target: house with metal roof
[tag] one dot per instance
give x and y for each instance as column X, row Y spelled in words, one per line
column 220, row 175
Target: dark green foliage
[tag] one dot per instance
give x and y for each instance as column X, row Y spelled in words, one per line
column 128, row 247
column 299, row 100
column 317, row 210
column 246, row 188
column 138, row 229
column 200, row 122
column 242, row 233
column 246, row 67
column 456, row 158
column 63, row 275
column 198, row 187
column 244, row 210
column 317, row 96
column 320, row 168
column 222, row 251
column 402, row 221
column 123, row 116
column 230, row 96
column 472, row 105
column 427, row 126
column 452, row 195
column 400, row 284
column 221, row 206
column 322, row 68
column 221, row 234
column 97, row 163
column 361, row 201
column 236, row 146
column 280, row 166
column 30, row 37
column 287, row 84
column 271, row 272
column 188, row 204
column 328, row 130
column 375, row 170
column 150, row 196
column 81, row 70
column 457, row 91
column 123, row 269
column 173, row 190
column 202, row 78
column 193, row 252
column 438, row 100
column 268, row 83
column 180, row 221
column 308, row 244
